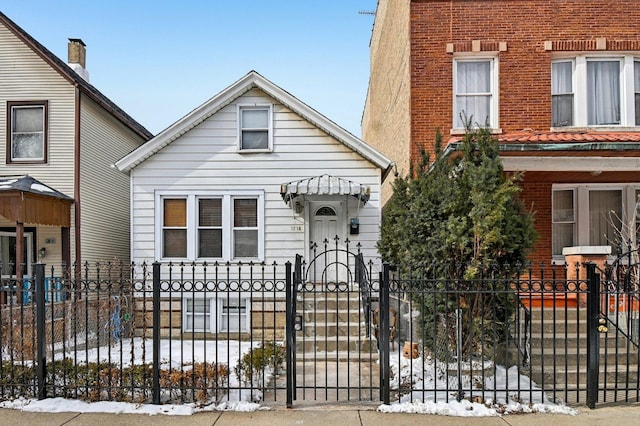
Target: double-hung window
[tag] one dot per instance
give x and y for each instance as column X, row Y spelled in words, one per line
column 563, row 219
column 636, row 89
column 475, row 92
column 27, row 132
column 210, row 231
column 562, row 93
column 221, row 226
column 174, row 227
column 603, row 92
column 595, row 91
column 197, row 314
column 593, row 215
column 255, row 127
column 225, row 313
column 245, row 227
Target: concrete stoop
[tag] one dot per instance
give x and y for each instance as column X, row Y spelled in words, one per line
column 559, row 353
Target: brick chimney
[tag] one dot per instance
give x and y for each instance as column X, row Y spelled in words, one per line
column 77, row 53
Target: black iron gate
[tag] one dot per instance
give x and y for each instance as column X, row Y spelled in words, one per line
column 332, row 351
column 618, row 328
column 565, row 333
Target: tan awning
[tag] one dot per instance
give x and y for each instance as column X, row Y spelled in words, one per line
column 324, row 185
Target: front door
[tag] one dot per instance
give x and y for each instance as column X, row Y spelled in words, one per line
column 327, row 229
column 8, row 254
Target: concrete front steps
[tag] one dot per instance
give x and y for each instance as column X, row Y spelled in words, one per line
column 333, row 328
column 559, row 352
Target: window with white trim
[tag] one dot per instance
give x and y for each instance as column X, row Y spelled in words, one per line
column 233, row 314
column 216, row 225
column 595, row 91
column 636, row 89
column 562, row 93
column 229, row 313
column 197, row 314
column 27, row 132
column 593, row 215
column 475, row 82
column 254, row 127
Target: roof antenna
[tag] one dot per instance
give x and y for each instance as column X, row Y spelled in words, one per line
column 366, row 12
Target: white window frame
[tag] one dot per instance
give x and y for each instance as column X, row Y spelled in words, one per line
column 216, row 314
column 200, row 227
column 572, row 93
column 636, row 90
column 185, row 314
column 192, row 198
column 241, row 301
column 581, row 192
column 580, row 98
column 494, row 91
column 269, row 129
column 575, row 214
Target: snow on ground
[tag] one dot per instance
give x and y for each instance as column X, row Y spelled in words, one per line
column 438, row 377
column 420, row 374
column 60, row 405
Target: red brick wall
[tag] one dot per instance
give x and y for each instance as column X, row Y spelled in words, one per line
column 524, row 69
column 537, row 198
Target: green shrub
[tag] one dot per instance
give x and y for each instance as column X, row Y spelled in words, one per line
column 252, row 365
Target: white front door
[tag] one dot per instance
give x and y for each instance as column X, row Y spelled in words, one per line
column 8, row 253
column 327, row 223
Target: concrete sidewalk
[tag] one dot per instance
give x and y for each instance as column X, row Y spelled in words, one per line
column 610, row 416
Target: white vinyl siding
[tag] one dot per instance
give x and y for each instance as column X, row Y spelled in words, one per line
column 207, row 159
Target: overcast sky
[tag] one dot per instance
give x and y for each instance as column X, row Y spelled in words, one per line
column 159, row 59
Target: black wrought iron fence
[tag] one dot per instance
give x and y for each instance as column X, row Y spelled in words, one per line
column 209, row 333
column 144, row 333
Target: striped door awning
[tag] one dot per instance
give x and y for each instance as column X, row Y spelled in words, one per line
column 324, row 185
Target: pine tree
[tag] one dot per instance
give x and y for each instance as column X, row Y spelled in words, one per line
column 459, row 219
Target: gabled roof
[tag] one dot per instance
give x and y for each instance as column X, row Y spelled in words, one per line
column 70, row 75
column 248, row 82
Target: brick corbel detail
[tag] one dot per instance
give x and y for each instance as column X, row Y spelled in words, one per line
column 591, row 45
column 476, row 46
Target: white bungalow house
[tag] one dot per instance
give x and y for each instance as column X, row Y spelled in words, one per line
column 253, row 174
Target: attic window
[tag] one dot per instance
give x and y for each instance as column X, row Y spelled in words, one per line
column 255, row 129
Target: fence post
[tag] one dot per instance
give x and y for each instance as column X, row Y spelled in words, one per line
column 41, row 335
column 383, row 335
column 155, row 392
column 290, row 338
column 593, row 336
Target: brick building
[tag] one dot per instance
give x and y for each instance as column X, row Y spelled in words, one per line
column 558, row 83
